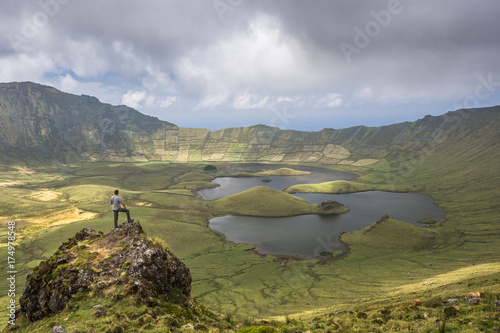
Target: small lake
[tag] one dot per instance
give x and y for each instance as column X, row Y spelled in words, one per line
column 306, row 236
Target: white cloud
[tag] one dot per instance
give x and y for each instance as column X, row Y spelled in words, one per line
column 86, row 58
column 68, row 83
column 260, row 57
column 212, row 100
column 247, row 101
column 167, row 101
column 26, row 67
column 134, row 99
column 331, row 100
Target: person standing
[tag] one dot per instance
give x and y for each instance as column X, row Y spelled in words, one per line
column 117, row 203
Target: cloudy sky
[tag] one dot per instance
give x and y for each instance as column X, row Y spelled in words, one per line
column 291, row 64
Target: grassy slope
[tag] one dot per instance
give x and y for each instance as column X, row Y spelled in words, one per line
column 261, row 201
column 403, row 236
column 277, row 172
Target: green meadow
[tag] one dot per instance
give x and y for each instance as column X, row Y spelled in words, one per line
column 388, row 265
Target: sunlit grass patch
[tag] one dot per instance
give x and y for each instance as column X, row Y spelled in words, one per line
column 272, row 172
column 261, row 201
column 47, row 195
column 337, row 186
column 66, row 216
column 391, row 234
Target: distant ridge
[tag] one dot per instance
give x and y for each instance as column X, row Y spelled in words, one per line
column 39, row 122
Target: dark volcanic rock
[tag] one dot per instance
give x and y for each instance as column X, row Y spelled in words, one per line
column 92, row 260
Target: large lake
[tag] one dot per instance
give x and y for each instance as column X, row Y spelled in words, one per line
column 307, row 236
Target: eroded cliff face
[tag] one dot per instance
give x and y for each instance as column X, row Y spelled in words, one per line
column 41, row 122
column 123, row 262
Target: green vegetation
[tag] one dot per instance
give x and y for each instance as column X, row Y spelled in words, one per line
column 428, row 221
column 193, row 181
column 194, row 176
column 337, row 186
column 266, row 201
column 158, row 242
column 390, row 234
column 210, row 168
column 276, row 172
column 123, row 314
column 343, row 186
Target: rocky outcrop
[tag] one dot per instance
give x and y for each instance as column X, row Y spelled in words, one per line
column 91, row 260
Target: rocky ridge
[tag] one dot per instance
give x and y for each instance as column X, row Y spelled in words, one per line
column 40, row 122
column 93, row 262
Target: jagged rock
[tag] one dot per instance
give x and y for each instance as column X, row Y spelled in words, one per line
column 451, row 301
column 96, row 260
column 472, row 300
column 99, row 310
column 335, row 313
column 58, row 329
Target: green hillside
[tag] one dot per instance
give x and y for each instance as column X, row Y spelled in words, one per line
column 392, row 235
column 266, row 201
column 40, row 122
